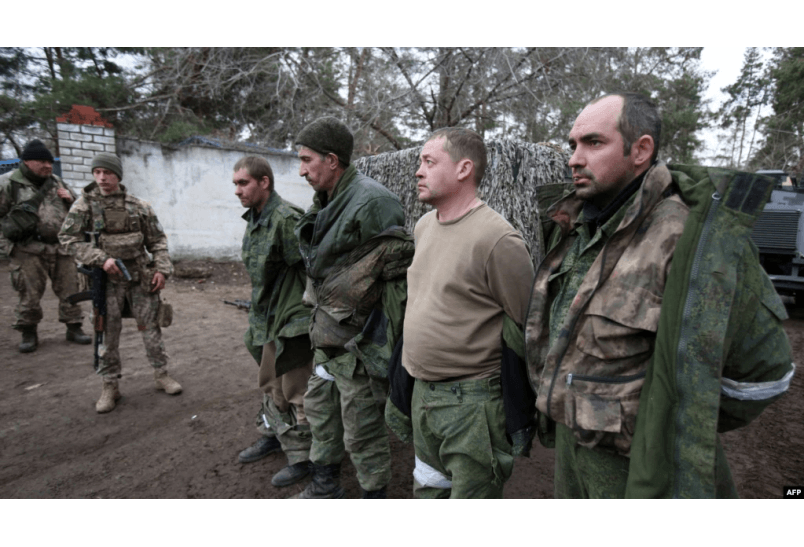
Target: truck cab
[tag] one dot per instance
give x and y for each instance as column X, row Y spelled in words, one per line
column 779, row 235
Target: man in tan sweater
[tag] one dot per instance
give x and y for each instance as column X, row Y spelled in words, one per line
column 470, row 269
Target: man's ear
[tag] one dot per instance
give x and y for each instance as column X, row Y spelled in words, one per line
column 466, row 169
column 332, row 161
column 642, row 150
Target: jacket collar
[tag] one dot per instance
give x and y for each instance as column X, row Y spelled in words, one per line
column 657, row 179
column 321, row 200
column 267, row 210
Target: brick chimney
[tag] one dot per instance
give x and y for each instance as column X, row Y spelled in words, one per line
column 82, row 134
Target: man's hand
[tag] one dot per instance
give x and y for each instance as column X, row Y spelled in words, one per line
column 111, row 268
column 523, row 441
column 66, row 196
column 158, row 282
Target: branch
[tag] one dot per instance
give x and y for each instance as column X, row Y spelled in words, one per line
column 137, row 104
column 428, row 115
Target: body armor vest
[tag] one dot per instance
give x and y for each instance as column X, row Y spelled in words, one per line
column 121, row 234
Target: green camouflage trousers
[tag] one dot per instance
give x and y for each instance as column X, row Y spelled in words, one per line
column 294, row 437
column 281, row 413
column 459, row 439
column 29, row 274
column 347, row 414
column 602, row 474
column 144, row 306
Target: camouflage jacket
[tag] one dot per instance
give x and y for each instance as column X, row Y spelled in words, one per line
column 330, row 233
column 360, row 306
column 359, row 209
column 271, row 255
column 635, row 318
column 127, row 227
column 52, row 211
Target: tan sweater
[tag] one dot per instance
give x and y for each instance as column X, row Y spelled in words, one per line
column 466, row 274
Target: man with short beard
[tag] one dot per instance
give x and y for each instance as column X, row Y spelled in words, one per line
column 126, row 227
column 651, row 326
column 37, row 255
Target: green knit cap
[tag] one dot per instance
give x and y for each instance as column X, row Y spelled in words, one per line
column 110, row 162
column 326, row 135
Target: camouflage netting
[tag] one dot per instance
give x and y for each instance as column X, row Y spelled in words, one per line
column 521, row 181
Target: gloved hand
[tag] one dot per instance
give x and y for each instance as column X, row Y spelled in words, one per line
column 397, row 260
column 522, row 441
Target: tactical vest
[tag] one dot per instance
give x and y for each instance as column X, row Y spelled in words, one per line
column 121, row 231
column 22, row 224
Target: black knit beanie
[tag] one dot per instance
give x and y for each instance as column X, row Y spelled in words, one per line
column 35, row 150
column 326, row 135
column 110, row 162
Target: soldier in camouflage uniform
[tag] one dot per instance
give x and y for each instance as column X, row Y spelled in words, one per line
column 355, row 254
column 39, row 255
column 649, row 328
column 278, row 321
column 127, row 227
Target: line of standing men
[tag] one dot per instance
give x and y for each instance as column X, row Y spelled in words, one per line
column 627, row 366
column 648, row 328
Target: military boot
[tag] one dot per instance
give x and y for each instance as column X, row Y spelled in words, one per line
column 166, row 383
column 263, row 447
column 291, row 474
column 325, row 483
column 109, row 395
column 30, row 340
column 75, row 334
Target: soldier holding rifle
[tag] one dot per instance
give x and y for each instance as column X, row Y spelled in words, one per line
column 122, row 228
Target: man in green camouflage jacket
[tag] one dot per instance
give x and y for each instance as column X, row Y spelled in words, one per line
column 127, row 227
column 651, row 325
column 356, row 254
column 278, row 321
column 37, row 256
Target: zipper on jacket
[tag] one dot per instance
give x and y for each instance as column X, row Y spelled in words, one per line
column 604, row 379
column 686, row 328
column 308, row 263
column 572, row 329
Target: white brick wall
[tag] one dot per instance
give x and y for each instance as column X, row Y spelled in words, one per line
column 78, row 144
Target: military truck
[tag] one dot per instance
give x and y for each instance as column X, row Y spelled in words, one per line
column 779, row 235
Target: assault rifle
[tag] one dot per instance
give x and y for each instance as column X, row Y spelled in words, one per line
column 239, row 304
column 97, row 294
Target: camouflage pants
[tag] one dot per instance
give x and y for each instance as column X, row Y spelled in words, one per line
column 281, row 413
column 144, row 307
column 29, row 274
column 347, row 415
column 459, row 431
column 587, row 472
column 601, row 474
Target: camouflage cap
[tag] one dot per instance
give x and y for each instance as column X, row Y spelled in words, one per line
column 328, row 135
column 110, row 162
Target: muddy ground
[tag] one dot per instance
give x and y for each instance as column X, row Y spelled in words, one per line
column 54, row 445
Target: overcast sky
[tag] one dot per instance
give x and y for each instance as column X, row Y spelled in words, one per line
column 727, row 61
